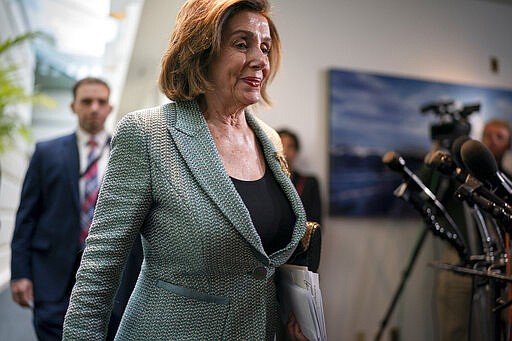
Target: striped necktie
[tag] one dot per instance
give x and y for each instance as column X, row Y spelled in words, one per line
column 91, row 189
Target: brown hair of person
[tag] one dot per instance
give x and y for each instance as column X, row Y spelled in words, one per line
column 502, row 123
column 89, row 80
column 196, row 41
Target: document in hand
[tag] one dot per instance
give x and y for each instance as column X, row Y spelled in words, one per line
column 299, row 292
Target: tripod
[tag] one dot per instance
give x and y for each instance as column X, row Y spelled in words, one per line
column 405, row 276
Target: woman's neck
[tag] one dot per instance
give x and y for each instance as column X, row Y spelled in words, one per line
column 221, row 114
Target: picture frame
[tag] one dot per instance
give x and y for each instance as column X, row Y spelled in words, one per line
column 373, row 113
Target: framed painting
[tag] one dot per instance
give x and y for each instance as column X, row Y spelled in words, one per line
column 371, row 114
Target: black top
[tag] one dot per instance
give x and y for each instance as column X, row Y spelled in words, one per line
column 270, row 210
column 309, row 192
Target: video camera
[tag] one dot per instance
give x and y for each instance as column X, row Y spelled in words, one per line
column 452, row 120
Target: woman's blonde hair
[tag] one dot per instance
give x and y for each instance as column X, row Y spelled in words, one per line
column 196, row 41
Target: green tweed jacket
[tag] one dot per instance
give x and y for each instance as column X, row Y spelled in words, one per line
column 205, row 274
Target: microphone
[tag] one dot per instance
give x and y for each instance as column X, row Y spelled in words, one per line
column 471, row 191
column 475, row 194
column 455, row 150
column 445, row 164
column 395, row 162
column 449, row 163
column 481, row 164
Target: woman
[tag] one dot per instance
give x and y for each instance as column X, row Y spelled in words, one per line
column 307, row 185
column 309, row 192
column 204, row 182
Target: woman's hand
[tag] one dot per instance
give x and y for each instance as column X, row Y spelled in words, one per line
column 293, row 329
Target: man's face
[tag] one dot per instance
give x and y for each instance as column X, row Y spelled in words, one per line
column 496, row 137
column 91, row 106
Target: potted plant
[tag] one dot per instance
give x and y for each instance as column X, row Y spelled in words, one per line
column 12, row 94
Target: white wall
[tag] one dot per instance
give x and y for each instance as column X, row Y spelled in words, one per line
column 442, row 40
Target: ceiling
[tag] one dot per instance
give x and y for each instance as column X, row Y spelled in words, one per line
column 87, row 38
column 506, row 2
column 119, row 40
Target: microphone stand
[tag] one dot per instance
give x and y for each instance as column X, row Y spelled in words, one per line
column 502, row 215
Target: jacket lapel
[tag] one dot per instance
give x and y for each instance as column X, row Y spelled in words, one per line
column 190, row 132
column 273, row 162
column 72, row 162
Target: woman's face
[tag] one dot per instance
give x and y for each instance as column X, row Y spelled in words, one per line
column 289, row 149
column 239, row 70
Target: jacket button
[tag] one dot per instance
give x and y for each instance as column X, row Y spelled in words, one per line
column 260, row 273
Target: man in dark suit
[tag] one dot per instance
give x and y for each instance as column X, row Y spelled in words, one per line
column 56, row 206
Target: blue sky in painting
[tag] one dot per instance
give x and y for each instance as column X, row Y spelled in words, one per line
column 377, row 112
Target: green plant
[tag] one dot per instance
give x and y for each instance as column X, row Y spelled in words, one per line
column 13, row 94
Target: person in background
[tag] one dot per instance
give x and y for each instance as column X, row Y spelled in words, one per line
column 309, row 191
column 56, row 206
column 204, row 182
column 496, row 136
column 306, row 185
